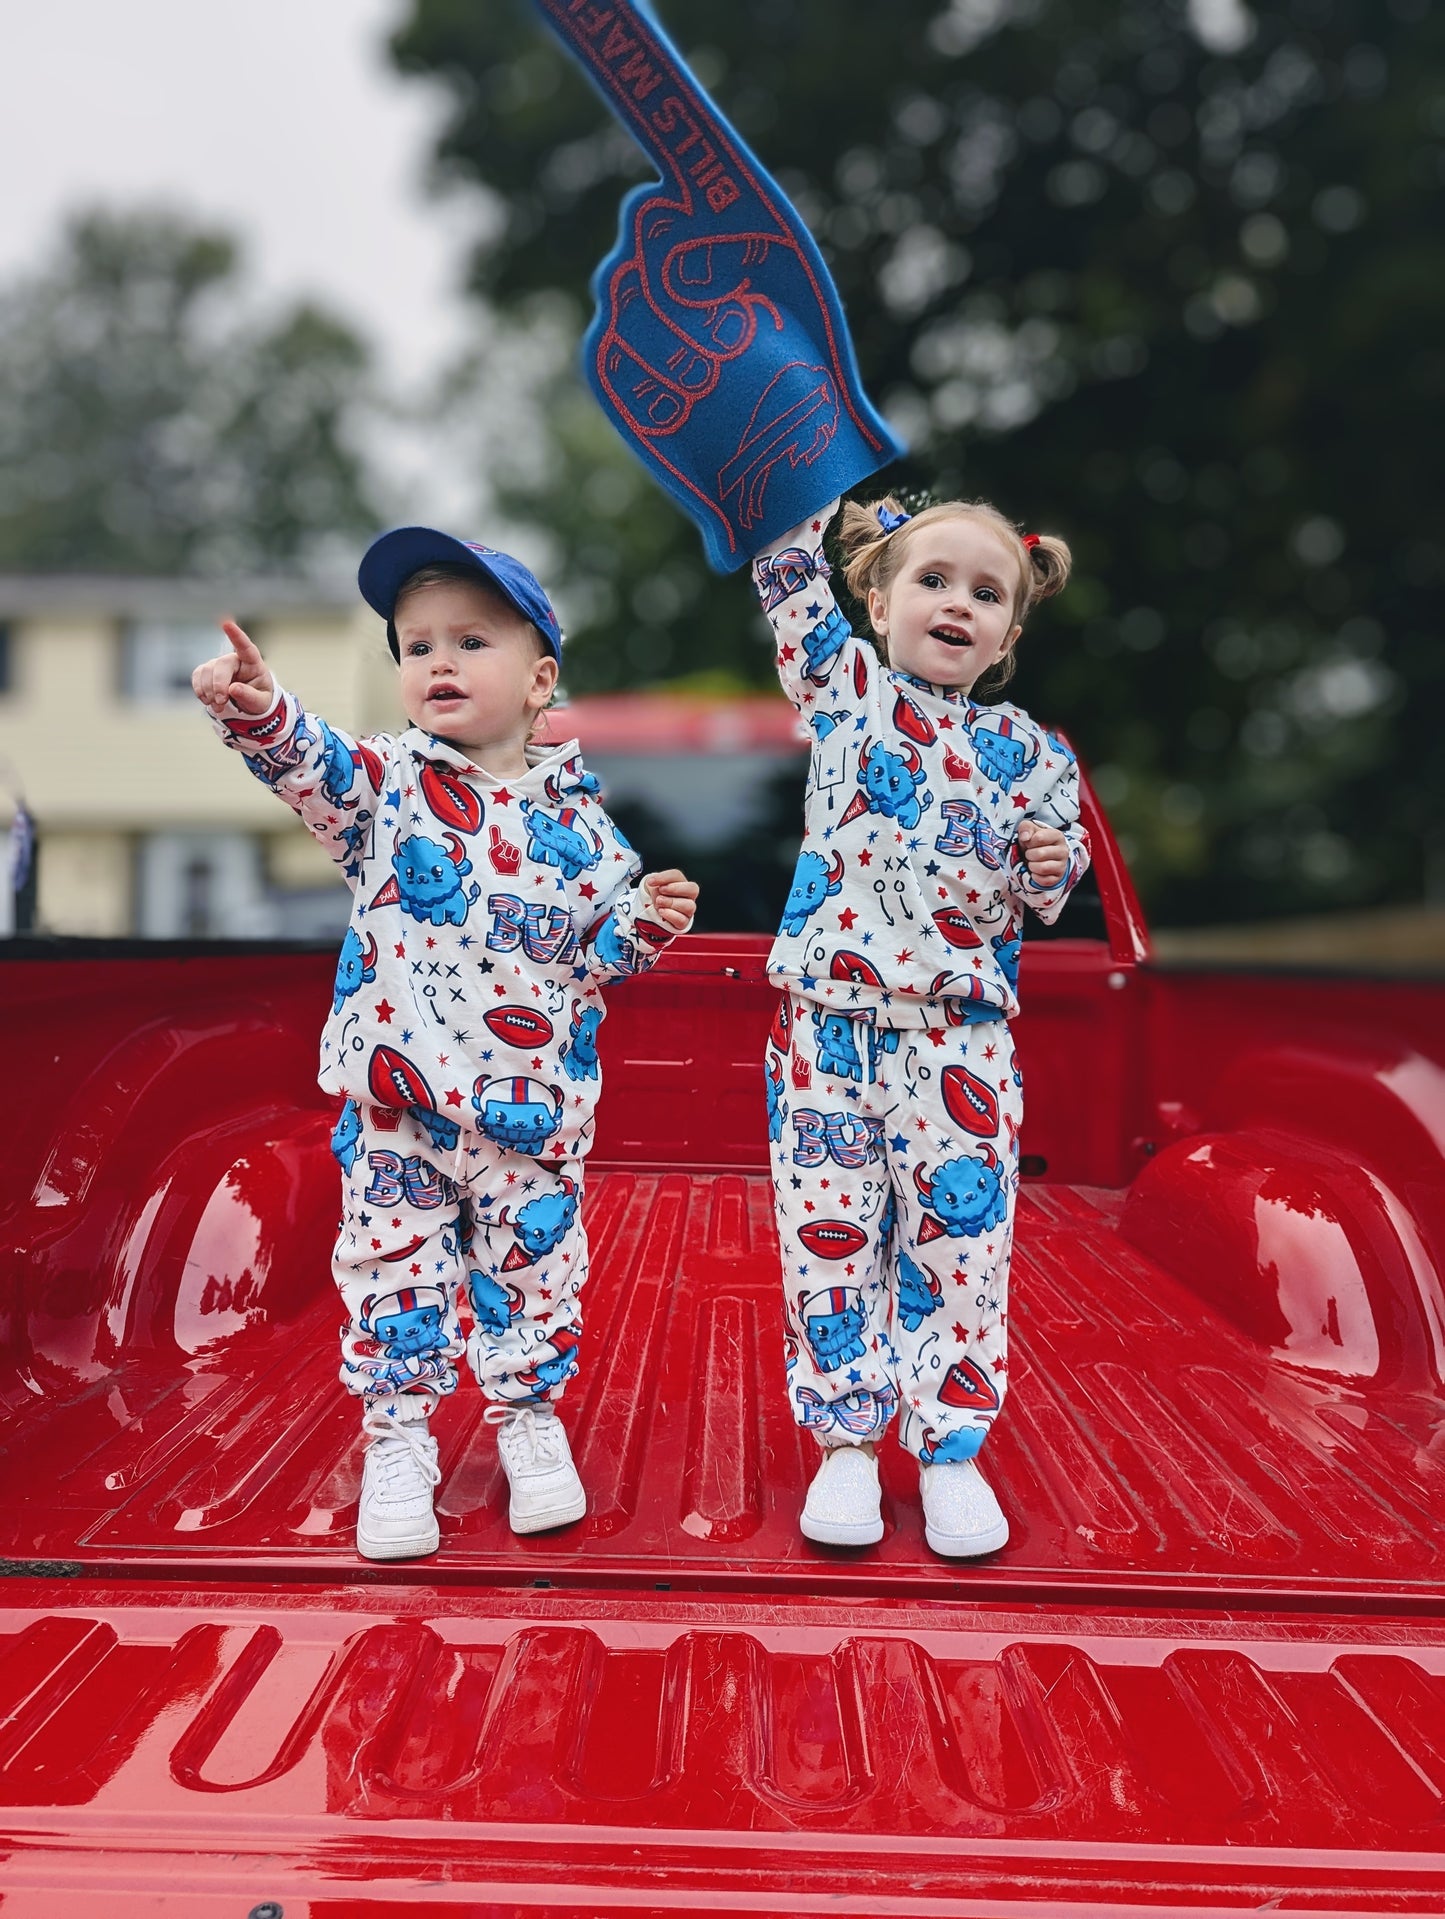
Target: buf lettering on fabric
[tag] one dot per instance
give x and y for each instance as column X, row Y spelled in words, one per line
column 849, row 1139
column 545, row 933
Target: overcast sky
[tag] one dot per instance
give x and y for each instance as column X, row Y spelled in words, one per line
column 280, row 118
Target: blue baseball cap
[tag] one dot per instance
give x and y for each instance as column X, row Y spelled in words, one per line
column 389, row 562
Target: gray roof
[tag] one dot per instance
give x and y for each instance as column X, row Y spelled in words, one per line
column 136, row 597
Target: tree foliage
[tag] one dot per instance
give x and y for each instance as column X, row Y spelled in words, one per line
column 146, row 429
column 1182, row 302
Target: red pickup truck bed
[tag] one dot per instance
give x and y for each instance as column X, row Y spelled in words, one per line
column 1207, row 1673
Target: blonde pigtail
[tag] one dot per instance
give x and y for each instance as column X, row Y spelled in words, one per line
column 1050, row 563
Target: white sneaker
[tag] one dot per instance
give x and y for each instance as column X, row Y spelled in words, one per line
column 842, row 1507
column 395, row 1518
column 961, row 1517
column 537, row 1460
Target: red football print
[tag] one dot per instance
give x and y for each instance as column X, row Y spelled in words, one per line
column 912, row 724
column 782, row 1026
column 371, row 763
column 832, row 1238
column 451, row 799
column 972, row 1104
column 854, row 968
column 394, row 1081
column 965, row 1386
column 860, row 673
column 956, row 927
column 520, row 1026
column 651, row 931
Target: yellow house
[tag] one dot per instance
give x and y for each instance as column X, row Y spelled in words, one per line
column 146, row 824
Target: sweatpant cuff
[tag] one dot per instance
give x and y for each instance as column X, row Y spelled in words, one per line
column 407, row 1409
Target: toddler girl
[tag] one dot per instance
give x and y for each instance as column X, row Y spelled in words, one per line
column 894, row 1102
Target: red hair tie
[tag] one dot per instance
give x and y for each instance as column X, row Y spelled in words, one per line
column 1031, row 540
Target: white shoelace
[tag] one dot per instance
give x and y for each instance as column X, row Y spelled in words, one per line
column 528, row 1440
column 414, row 1453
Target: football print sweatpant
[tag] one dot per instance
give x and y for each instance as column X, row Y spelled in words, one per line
column 507, row 1241
column 895, row 1169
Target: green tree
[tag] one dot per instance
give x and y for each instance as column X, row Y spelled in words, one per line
column 145, row 427
column 1182, row 302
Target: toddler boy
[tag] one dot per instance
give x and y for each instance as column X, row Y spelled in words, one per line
column 493, row 898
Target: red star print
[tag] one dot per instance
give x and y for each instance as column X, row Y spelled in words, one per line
column 1000, row 1365
column 395, row 1224
column 845, row 1199
column 400, row 950
column 442, row 1058
column 848, row 1269
column 1021, row 801
column 807, row 1206
column 817, row 526
column 960, row 1333
column 415, row 1271
column 454, row 1098
column 787, row 652
column 936, row 1036
column 945, row 725
column 430, row 943
column 376, row 1246
column 865, row 859
column 972, row 895
column 536, row 1066
column 921, row 1124
column 846, row 919
column 990, row 1052
column 588, row 892
column 384, row 1011
column 904, row 957
column 500, row 990
column 502, row 796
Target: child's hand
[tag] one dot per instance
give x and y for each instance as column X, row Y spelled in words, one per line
column 240, row 678
column 1045, row 851
column 673, row 896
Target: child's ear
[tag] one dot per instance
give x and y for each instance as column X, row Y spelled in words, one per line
column 544, row 681
column 1008, row 645
column 878, row 612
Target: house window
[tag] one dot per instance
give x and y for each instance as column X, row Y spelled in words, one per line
column 202, row 886
column 158, row 657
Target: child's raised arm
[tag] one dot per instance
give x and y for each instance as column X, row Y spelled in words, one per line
column 812, row 635
column 330, row 780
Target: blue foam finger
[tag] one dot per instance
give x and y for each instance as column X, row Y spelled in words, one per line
column 719, row 348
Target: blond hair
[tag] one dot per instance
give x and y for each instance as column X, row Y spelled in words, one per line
column 872, row 557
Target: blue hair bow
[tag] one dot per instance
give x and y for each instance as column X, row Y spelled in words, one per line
column 719, row 349
column 889, row 520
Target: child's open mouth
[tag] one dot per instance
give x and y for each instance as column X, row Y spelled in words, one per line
column 446, row 694
column 950, row 635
